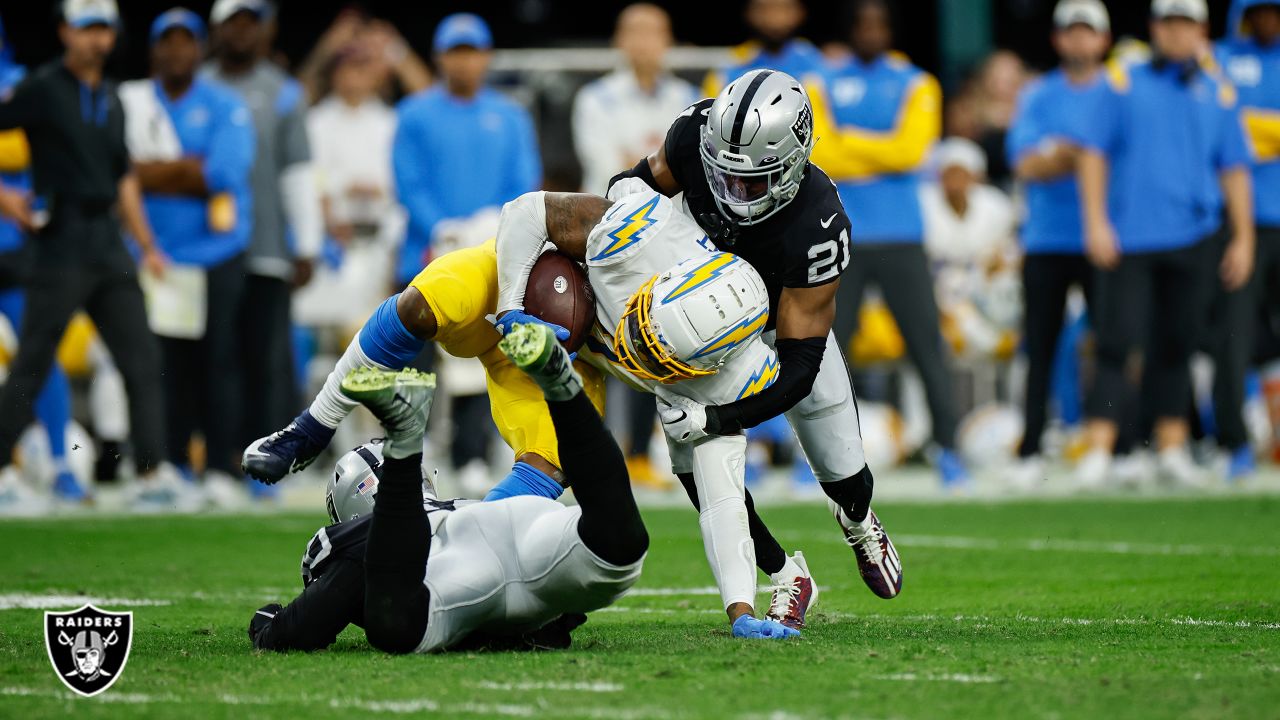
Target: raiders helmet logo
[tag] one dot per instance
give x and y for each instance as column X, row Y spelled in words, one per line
column 88, row 647
column 803, row 128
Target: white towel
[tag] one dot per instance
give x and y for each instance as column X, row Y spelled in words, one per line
column 148, row 129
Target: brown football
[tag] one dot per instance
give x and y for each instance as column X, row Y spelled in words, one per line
column 559, row 293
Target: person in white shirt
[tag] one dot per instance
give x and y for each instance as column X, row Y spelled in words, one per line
column 969, row 239
column 624, row 115
column 351, row 132
column 617, row 120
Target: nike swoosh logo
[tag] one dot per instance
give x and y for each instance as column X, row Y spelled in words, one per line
column 827, row 223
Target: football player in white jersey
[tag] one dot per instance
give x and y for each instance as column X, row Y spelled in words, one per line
column 421, row 576
column 680, row 319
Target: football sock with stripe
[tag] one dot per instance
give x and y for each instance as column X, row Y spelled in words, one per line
column 384, row 343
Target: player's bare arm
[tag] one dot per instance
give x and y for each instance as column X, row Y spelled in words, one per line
column 570, row 218
column 415, row 312
column 807, row 312
column 664, row 181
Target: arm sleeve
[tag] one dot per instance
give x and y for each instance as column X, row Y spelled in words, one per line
column 1025, row 132
column 231, row 150
column 1099, row 129
column 1233, row 148
column 798, row 361
column 522, row 233
column 853, row 154
column 314, row 618
column 682, row 141
column 412, row 166
column 526, row 174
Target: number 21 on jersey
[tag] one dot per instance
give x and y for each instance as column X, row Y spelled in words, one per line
column 827, row 260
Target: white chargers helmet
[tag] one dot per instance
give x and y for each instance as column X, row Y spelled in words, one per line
column 354, row 483
column 756, row 145
column 686, row 322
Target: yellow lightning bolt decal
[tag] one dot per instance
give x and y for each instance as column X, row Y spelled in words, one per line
column 629, row 232
column 760, row 379
column 736, row 335
column 700, row 275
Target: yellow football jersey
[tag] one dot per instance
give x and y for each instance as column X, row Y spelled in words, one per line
column 461, row 288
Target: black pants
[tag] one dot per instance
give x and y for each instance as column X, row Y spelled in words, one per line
column 1046, row 280
column 902, row 274
column 472, row 429
column 109, row 292
column 1266, row 280
column 203, row 388
column 1149, row 309
column 395, row 599
column 1233, row 329
column 270, row 389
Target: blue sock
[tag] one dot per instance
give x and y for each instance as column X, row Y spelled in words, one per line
column 525, row 479
column 386, row 341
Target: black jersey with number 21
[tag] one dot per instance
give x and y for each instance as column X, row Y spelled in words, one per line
column 805, row 244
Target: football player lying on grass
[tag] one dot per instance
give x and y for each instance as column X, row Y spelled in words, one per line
column 677, row 318
column 419, row 579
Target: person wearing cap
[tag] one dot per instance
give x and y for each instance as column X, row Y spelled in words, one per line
column 876, row 117
column 196, row 193
column 287, row 222
column 1163, row 155
column 1250, row 58
column 81, row 174
column 461, row 149
column 53, row 406
column 1043, row 157
column 774, row 44
column 968, row 237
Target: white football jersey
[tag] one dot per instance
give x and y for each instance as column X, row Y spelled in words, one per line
column 644, row 234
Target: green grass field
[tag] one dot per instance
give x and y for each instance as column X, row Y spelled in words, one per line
column 1111, row 609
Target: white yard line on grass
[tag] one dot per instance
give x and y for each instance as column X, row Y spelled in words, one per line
column 37, row 601
column 595, row 687
column 942, row 677
column 952, row 542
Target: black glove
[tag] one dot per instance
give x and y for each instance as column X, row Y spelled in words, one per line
column 718, row 228
column 261, row 619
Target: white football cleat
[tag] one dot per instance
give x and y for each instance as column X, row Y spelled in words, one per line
column 793, row 595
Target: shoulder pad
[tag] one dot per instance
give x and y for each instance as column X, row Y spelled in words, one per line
column 634, row 218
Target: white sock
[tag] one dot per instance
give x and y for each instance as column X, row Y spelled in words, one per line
column 330, row 406
column 790, row 570
column 729, row 549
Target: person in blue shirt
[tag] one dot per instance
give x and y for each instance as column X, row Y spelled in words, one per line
column 53, row 406
column 1250, row 58
column 1044, row 160
column 200, row 208
column 775, row 46
column 876, row 117
column 460, row 147
column 1163, row 154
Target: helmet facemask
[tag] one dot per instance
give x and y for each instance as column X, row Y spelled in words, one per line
column 748, row 196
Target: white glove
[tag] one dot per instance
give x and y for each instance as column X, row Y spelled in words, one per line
column 683, row 420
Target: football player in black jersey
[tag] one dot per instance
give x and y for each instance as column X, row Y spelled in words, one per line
column 742, row 162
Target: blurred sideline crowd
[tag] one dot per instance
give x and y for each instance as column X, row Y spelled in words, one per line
column 1076, row 268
